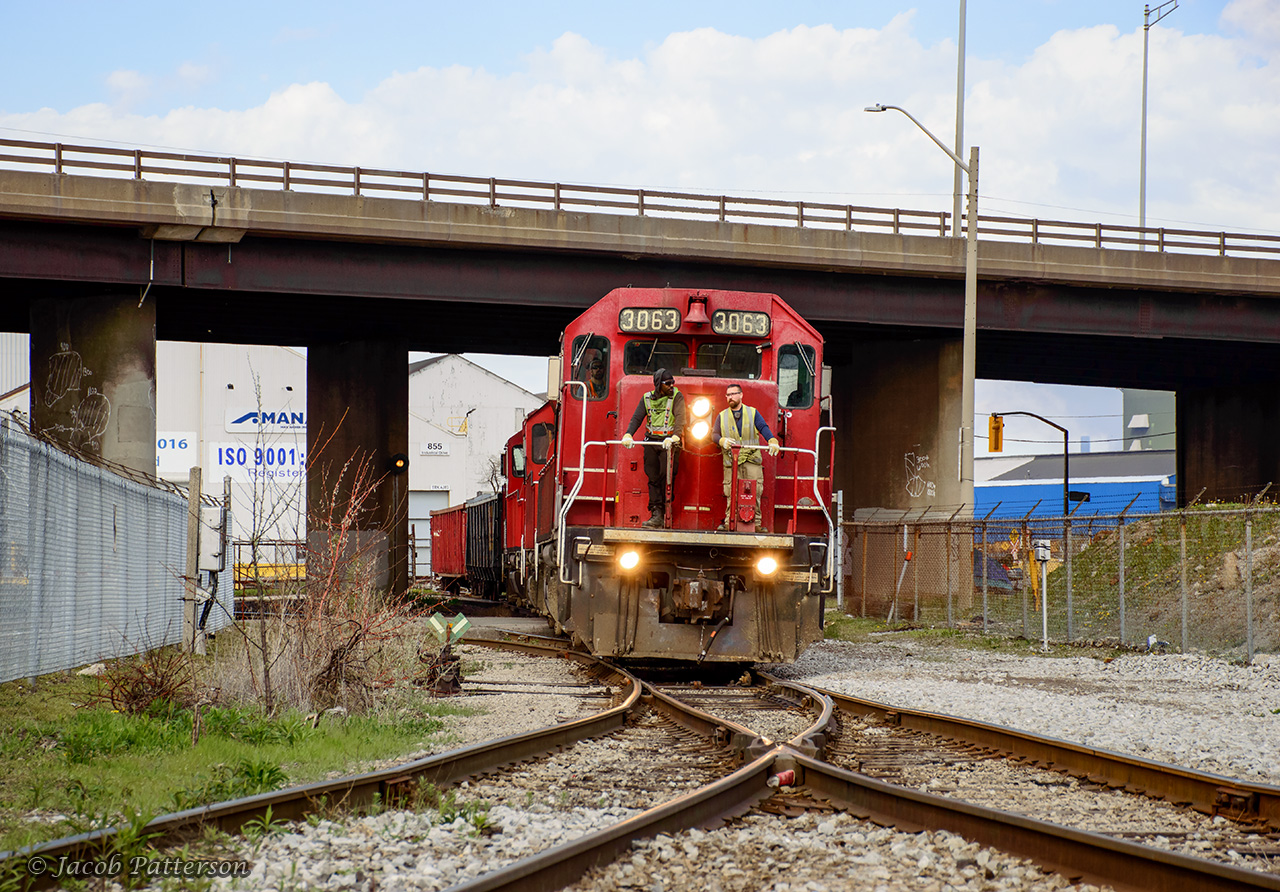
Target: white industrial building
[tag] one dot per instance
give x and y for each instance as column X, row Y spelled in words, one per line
column 240, row 411
column 460, row 417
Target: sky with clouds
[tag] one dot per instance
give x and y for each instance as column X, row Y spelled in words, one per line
column 741, row 98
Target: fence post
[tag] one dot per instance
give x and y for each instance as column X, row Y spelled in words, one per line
column 1071, row 620
column 863, row 534
column 1024, row 543
column 1248, row 586
column 951, row 623
column 1182, row 562
column 1122, row 579
column 984, row 576
column 915, row 578
column 193, row 566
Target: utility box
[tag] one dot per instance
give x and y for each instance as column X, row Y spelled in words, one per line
column 1042, row 549
column 213, row 538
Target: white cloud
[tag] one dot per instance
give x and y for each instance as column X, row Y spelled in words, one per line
column 782, row 114
column 128, row 86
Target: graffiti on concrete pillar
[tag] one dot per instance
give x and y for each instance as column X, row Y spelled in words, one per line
column 66, row 368
column 91, row 418
column 88, row 414
column 917, row 485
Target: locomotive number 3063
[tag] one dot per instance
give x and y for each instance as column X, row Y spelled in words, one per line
column 740, row 322
column 655, row 319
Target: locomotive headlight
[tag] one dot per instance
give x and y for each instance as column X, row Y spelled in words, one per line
column 767, row 565
column 700, row 430
column 629, row 559
column 701, row 407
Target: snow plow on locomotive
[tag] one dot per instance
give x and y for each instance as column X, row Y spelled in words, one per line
column 733, row 561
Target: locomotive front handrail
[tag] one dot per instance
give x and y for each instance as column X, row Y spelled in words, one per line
column 562, row 537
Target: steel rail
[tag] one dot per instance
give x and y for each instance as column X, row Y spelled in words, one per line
column 1075, row 854
column 390, row 785
column 1211, row 794
column 706, row 807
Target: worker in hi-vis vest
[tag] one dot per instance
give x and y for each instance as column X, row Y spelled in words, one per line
column 741, row 424
column 662, row 413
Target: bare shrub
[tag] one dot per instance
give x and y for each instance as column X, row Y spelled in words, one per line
column 158, row 677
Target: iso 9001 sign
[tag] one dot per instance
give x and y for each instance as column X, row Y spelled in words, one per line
column 282, row 461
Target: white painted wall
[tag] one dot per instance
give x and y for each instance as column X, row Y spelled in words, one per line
column 460, row 416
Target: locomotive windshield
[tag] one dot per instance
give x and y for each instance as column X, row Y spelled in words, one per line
column 730, row 360
column 647, row 356
column 795, row 375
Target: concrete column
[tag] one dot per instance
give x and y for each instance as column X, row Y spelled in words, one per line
column 896, row 407
column 357, row 419
column 93, row 376
column 1228, row 441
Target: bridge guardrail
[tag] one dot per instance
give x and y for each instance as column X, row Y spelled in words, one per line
column 146, row 164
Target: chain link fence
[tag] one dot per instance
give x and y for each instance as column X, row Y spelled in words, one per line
column 1197, row 580
column 91, row 560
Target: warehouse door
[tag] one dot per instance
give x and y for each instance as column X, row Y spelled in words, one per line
column 421, row 504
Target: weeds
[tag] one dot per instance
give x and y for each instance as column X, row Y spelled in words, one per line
column 246, row 778
column 260, row 828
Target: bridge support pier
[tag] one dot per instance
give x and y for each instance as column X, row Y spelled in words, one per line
column 93, row 376
column 1228, row 441
column 896, row 408
column 357, row 420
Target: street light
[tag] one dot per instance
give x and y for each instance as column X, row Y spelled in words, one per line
column 1147, row 22
column 968, row 357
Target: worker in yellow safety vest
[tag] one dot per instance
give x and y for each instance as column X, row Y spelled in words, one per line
column 662, row 413
column 742, row 424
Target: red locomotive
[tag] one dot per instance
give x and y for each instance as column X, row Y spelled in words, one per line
column 684, row 585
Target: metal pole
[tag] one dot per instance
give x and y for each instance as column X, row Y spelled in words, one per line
column 969, row 356
column 1044, row 605
column 1182, row 561
column 1066, row 544
column 984, row 576
column 955, row 216
column 1142, row 174
column 1248, row 587
column 1066, row 477
column 1122, row 580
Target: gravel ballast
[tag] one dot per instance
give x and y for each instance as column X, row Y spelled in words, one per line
column 1183, row 709
column 1188, row 710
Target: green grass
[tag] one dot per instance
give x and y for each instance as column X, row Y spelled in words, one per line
column 91, row 765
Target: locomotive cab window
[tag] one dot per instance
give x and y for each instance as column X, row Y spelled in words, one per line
column 796, row 376
column 590, row 359
column 647, row 356
column 542, row 440
column 730, row 360
column 516, row 461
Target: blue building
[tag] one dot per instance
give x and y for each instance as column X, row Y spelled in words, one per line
column 1010, row 486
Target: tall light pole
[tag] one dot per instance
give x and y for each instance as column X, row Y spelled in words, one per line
column 1161, row 11
column 968, row 357
column 955, row 208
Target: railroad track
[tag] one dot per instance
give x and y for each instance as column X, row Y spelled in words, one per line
column 640, row 829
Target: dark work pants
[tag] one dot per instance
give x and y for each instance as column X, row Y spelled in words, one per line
column 655, row 468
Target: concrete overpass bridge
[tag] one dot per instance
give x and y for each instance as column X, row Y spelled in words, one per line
column 113, row 248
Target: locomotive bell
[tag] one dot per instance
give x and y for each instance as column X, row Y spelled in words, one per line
column 697, row 314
